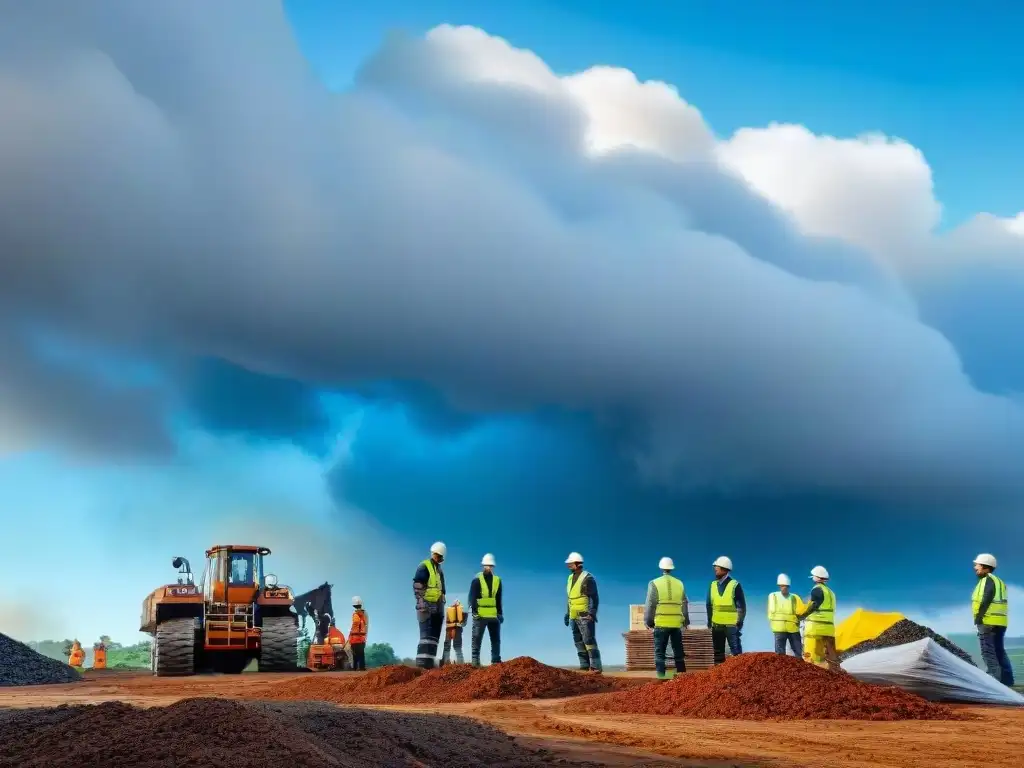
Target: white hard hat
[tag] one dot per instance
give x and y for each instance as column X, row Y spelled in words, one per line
column 357, row 600
column 723, row 562
column 819, row 571
column 666, row 564
column 487, row 559
column 783, row 580
column 574, row 557
column 984, row 559
column 438, row 548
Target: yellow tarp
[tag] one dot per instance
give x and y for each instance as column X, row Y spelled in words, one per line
column 863, row 625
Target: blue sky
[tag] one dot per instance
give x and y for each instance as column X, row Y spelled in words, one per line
column 446, row 289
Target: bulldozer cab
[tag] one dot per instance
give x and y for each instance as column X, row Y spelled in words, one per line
column 233, row 575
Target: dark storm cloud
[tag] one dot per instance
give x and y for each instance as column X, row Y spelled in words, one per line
column 196, row 187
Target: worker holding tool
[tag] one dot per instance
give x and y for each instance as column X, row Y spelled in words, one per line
column 990, row 607
column 783, row 609
column 485, row 605
column 819, row 619
column 428, row 588
column 727, row 608
column 582, row 613
column 455, row 624
column 667, row 613
column 357, row 634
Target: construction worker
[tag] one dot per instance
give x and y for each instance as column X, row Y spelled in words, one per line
column 357, row 633
column 819, row 617
column 727, row 608
column 990, row 607
column 667, row 613
column 582, row 613
column 485, row 605
column 455, row 623
column 428, row 587
column 783, row 609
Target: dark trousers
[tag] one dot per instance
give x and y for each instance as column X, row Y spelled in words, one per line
column 662, row 637
column 720, row 635
column 452, row 639
column 585, row 640
column 993, row 653
column 430, row 633
column 493, row 627
column 795, row 642
column 358, row 655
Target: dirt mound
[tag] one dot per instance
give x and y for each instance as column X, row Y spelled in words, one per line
column 766, row 686
column 520, row 678
column 20, row 665
column 906, row 631
column 215, row 732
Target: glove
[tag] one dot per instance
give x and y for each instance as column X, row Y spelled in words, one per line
column 567, row 619
column 501, row 619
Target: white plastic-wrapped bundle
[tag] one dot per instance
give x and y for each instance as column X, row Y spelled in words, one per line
column 929, row 670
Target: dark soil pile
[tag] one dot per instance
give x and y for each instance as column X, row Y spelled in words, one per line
column 766, row 686
column 20, row 665
column 520, row 678
column 906, row 631
column 208, row 733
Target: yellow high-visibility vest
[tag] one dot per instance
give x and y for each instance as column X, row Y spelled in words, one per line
column 723, row 605
column 669, row 611
column 578, row 602
column 782, row 610
column 487, row 605
column 997, row 614
column 432, row 593
column 822, row 623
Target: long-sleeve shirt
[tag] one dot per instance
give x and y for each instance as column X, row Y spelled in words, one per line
column 419, row 588
column 988, row 594
column 588, row 589
column 741, row 601
column 652, row 605
column 475, row 592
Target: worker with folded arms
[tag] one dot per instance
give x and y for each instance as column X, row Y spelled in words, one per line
column 428, row 589
column 667, row 613
column 485, row 605
column 455, row 624
column 582, row 613
column 727, row 608
column 819, row 617
column 357, row 634
column 783, row 609
column 990, row 607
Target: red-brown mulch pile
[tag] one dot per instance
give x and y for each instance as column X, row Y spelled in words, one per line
column 520, row 678
column 766, row 686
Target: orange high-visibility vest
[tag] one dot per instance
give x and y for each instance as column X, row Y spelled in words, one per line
column 359, row 627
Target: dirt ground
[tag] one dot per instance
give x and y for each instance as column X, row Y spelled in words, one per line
column 618, row 739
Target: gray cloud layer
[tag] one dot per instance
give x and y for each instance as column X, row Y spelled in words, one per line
column 172, row 174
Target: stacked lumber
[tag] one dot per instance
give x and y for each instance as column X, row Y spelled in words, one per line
column 697, row 650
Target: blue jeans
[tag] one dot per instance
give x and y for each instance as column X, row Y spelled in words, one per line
column 993, row 653
column 493, row 629
column 662, row 637
column 720, row 635
column 795, row 642
column 585, row 640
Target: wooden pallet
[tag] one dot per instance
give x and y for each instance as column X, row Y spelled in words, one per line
column 697, row 650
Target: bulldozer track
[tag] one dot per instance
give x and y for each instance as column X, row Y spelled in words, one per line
column 174, row 651
column 280, row 644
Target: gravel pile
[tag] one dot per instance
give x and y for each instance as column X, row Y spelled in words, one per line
column 520, row 678
column 766, row 686
column 20, row 665
column 197, row 733
column 906, row 631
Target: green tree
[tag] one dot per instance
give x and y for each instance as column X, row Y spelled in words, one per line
column 380, row 655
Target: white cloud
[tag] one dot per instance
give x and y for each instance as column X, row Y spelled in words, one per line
column 445, row 223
